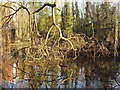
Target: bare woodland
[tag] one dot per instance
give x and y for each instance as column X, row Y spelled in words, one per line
column 39, row 34
column 43, row 31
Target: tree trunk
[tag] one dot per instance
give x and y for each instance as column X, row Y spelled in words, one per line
column 116, row 34
column 0, row 44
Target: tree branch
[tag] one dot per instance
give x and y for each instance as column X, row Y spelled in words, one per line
column 7, row 7
column 9, row 17
column 47, row 4
column 26, row 9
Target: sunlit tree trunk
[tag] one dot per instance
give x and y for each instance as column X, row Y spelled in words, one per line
column 116, row 34
column 0, row 43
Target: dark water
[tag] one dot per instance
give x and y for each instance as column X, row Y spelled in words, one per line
column 81, row 73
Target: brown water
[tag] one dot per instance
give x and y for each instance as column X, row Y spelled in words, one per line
column 19, row 71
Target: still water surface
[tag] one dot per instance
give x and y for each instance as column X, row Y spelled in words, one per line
column 81, row 73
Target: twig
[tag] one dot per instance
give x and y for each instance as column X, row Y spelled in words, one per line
column 9, row 17
column 7, row 7
column 17, row 11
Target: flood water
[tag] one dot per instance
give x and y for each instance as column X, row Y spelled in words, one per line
column 18, row 71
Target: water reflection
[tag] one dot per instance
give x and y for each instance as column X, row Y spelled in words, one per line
column 81, row 73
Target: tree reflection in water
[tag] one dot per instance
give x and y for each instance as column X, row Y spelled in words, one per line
column 77, row 74
column 81, row 73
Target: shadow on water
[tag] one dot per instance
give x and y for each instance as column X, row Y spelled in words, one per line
column 20, row 71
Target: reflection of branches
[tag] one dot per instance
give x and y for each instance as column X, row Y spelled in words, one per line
column 116, row 81
column 69, row 77
column 19, row 69
column 30, row 73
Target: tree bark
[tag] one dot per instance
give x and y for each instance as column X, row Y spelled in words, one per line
column 0, row 44
column 116, row 34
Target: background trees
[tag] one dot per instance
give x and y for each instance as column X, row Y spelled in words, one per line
column 67, row 19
